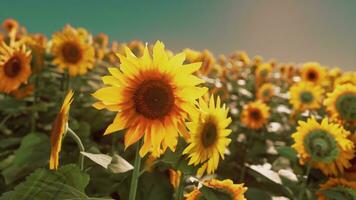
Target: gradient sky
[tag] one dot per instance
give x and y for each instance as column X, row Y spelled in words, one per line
column 288, row 30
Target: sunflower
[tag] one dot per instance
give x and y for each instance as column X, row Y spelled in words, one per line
column 241, row 56
column 341, row 103
column 72, row 51
column 152, row 96
column 265, row 92
column 10, row 25
column 350, row 173
column 206, row 57
column 255, row 114
column 263, row 72
column 59, row 128
column 136, row 46
column 313, row 72
column 37, row 44
column 15, row 66
column 101, row 43
column 345, row 189
column 349, row 77
column 257, row 60
column 305, row 95
column 234, row 191
column 208, row 136
column 323, row 144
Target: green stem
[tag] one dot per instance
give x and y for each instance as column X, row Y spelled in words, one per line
column 80, row 146
column 35, row 99
column 136, row 172
column 304, row 183
column 180, row 190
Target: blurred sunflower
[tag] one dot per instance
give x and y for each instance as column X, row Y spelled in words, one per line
column 349, row 77
column 313, row 72
column 234, row 191
column 241, row 56
column 205, row 57
column 350, row 173
column 72, row 51
column 208, row 136
column 334, row 72
column 101, row 43
column 152, row 97
column 343, row 188
column 265, row 92
column 341, row 103
column 10, row 25
column 305, row 95
column 257, row 60
column 263, row 72
column 15, row 66
column 255, row 114
column 37, row 44
column 137, row 47
column 325, row 145
column 59, row 129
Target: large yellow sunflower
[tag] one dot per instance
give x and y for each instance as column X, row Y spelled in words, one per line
column 341, row 103
column 72, row 51
column 313, row 72
column 324, row 144
column 15, row 66
column 208, row 136
column 344, row 188
column 152, row 96
column 59, row 128
column 265, row 92
column 234, row 191
column 255, row 114
column 305, row 95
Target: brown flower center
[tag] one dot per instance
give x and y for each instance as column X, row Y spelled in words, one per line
column 13, row 67
column 312, row 75
column 154, row 99
column 255, row 114
column 71, row 52
column 209, row 134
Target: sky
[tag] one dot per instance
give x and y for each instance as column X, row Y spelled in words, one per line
column 287, row 30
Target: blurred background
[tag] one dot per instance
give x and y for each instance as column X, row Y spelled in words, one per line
column 289, row 31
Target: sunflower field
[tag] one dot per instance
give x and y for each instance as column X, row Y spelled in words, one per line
column 83, row 117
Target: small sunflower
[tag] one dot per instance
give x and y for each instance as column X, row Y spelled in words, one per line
column 59, row 128
column 15, row 66
column 152, row 96
column 241, row 56
column 345, row 189
column 313, row 72
column 265, row 92
column 205, row 57
column 137, row 47
column 10, row 24
column 263, row 71
column 325, row 145
column 341, row 103
column 305, row 95
column 72, row 51
column 208, row 136
column 349, row 77
column 37, row 44
column 255, row 114
column 234, row 191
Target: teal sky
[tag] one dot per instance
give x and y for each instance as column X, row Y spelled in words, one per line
column 290, row 31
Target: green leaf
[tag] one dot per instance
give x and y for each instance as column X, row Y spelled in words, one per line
column 288, row 152
column 33, row 152
column 66, row 183
column 254, row 193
